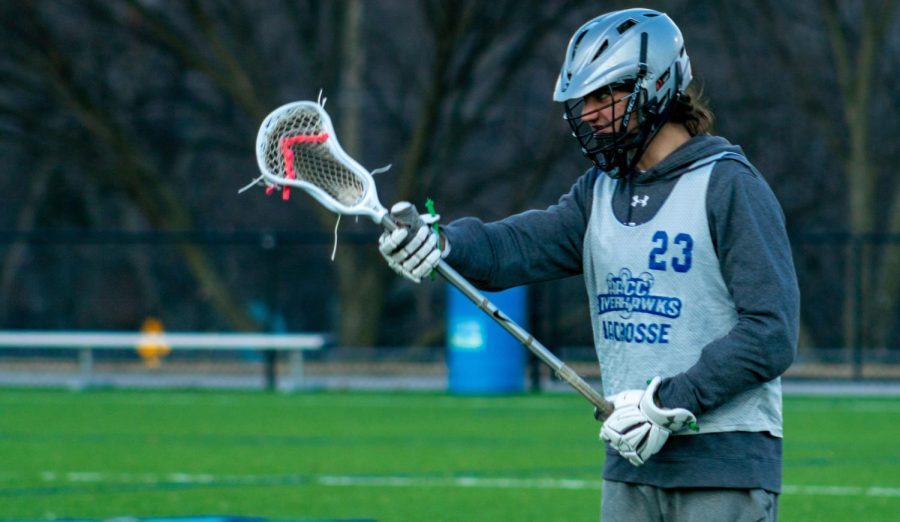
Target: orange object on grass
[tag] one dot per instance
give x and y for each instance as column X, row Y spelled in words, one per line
column 152, row 352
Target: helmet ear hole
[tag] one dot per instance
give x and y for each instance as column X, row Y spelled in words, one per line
column 662, row 80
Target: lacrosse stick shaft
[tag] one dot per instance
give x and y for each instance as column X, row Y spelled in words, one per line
column 296, row 146
column 604, row 407
column 565, row 373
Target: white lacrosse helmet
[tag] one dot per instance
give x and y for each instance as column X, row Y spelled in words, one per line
column 639, row 49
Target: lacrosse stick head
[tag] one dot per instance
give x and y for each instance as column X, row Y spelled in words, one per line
column 297, row 147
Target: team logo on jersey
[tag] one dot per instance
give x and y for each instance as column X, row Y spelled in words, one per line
column 629, row 294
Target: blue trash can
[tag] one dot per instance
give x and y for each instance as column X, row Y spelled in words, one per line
column 482, row 357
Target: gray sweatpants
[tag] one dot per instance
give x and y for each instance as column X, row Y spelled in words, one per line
column 623, row 502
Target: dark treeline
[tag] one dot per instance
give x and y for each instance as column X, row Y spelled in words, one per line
column 140, row 116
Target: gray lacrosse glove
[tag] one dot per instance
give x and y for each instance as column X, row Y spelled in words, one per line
column 638, row 428
column 412, row 251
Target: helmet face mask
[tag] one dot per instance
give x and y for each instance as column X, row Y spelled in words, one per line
column 613, row 145
column 637, row 50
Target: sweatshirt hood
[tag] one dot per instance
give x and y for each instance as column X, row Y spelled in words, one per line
column 696, row 148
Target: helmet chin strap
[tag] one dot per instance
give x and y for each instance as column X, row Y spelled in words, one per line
column 629, row 155
column 642, row 139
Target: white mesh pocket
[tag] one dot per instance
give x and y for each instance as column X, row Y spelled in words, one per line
column 297, row 148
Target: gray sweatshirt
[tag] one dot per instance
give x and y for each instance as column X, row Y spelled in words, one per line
column 747, row 228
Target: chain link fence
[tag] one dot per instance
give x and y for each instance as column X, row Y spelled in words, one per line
column 285, row 282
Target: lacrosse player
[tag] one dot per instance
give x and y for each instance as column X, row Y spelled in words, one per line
column 693, row 295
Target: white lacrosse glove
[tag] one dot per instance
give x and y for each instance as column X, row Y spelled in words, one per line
column 638, row 428
column 412, row 252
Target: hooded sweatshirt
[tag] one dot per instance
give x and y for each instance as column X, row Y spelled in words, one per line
column 746, row 225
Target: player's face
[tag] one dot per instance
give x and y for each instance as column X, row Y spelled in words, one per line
column 604, row 109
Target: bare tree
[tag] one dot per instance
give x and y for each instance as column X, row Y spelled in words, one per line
column 228, row 63
column 828, row 55
column 45, row 61
column 856, row 49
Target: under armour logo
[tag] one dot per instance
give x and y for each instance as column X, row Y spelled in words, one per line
column 635, row 201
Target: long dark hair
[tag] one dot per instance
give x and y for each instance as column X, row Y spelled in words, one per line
column 691, row 109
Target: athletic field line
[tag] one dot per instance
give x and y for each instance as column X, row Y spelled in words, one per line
column 551, row 402
column 201, row 479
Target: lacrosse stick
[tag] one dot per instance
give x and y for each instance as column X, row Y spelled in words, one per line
column 296, row 147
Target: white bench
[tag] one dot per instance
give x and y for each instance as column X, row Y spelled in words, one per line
column 88, row 341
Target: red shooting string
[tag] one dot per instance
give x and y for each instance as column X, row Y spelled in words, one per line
column 288, row 154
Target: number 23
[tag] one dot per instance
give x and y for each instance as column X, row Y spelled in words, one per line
column 681, row 262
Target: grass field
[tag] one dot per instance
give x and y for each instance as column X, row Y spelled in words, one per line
column 384, row 456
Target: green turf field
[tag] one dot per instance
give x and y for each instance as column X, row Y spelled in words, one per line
column 384, row 456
